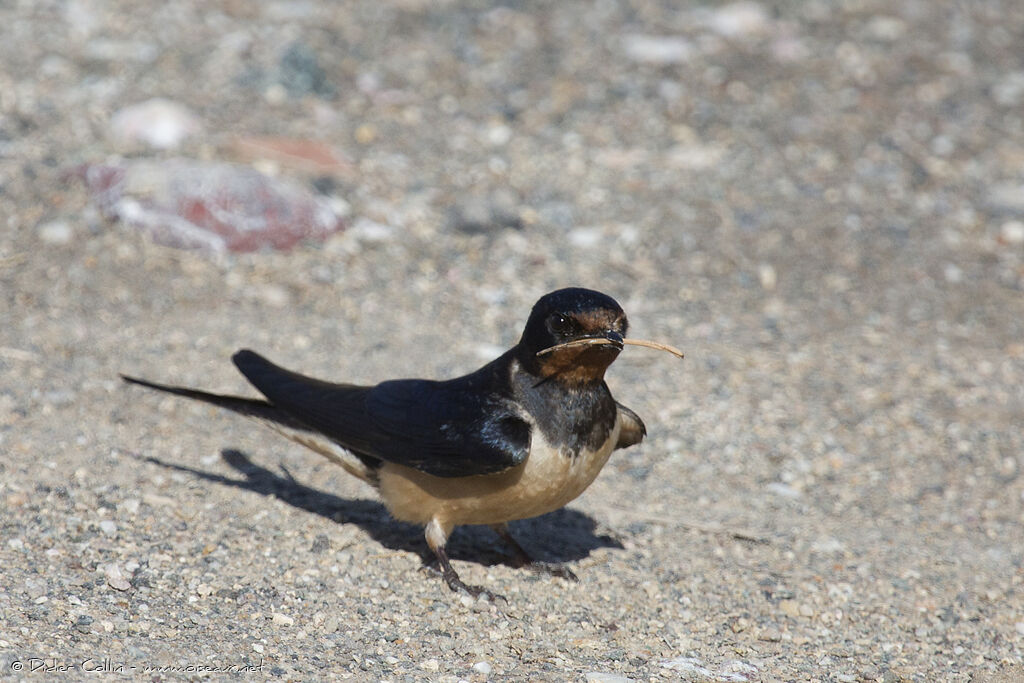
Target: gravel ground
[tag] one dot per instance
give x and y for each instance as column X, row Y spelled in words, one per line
column 821, row 202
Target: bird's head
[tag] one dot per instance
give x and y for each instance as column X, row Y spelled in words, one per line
column 569, row 315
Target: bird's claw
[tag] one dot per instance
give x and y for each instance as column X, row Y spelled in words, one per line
column 552, row 569
column 456, row 584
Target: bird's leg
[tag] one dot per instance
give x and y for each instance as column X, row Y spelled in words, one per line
column 525, row 560
column 437, row 537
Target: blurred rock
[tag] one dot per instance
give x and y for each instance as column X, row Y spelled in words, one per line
column 158, row 123
column 55, row 232
column 209, row 205
column 886, row 28
column 1012, row 232
column 738, row 20
column 657, row 49
column 478, row 214
column 1006, row 197
column 1009, row 90
column 301, row 73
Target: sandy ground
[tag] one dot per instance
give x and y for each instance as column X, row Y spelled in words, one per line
column 820, row 202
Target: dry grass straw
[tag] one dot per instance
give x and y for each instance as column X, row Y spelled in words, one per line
column 598, row 340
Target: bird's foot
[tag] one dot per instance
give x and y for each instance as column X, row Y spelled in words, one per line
column 552, row 569
column 456, row 584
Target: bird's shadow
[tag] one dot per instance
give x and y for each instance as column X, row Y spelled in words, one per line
column 561, row 536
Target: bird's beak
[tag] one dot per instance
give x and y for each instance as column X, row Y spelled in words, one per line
column 612, row 337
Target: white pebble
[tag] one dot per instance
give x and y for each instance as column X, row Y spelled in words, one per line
column 158, row 122
column 603, row 677
column 56, row 232
column 116, row 578
column 274, row 295
column 1012, row 232
column 482, row 668
column 657, row 49
column 783, row 490
column 282, row 619
column 108, row 527
column 585, row 238
column 739, row 19
column 498, row 135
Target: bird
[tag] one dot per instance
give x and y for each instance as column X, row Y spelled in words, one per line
column 520, row 437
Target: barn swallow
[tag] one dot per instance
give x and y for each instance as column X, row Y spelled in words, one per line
column 520, row 437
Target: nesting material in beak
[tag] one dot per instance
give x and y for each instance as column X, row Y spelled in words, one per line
column 600, row 340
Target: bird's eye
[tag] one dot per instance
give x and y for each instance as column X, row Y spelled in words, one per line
column 561, row 323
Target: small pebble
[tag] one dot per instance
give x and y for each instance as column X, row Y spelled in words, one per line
column 282, row 619
column 430, row 665
column 783, row 490
column 586, row 237
column 657, row 49
column 482, row 668
column 108, row 527
column 1012, row 232
column 56, row 232
column 158, row 123
column 790, row 608
column 739, row 20
column 498, row 135
column 603, row 677
column 116, row 578
column 274, row 295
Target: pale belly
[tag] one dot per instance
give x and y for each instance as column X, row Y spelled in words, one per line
column 545, row 482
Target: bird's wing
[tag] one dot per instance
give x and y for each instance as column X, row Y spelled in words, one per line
column 448, row 429
column 631, row 430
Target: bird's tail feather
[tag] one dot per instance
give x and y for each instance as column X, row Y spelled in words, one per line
column 275, row 418
column 250, row 407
